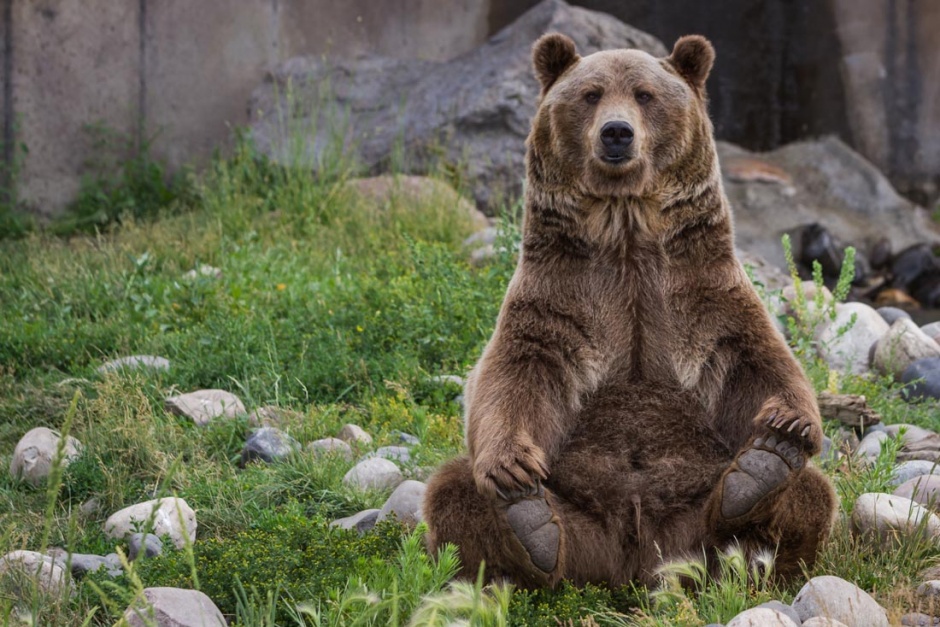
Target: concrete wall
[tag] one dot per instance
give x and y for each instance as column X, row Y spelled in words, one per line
column 180, row 71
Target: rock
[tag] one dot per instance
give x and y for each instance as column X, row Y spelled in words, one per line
column 852, row 410
column 268, row 444
column 203, row 406
column 373, row 474
column 849, row 351
column 924, row 490
column 406, row 438
column 762, row 617
column 135, row 362
column 902, row 345
column 887, row 517
column 35, row 452
column 362, row 522
column 473, row 110
column 767, row 274
column 931, row 330
column 171, row 517
column 451, row 379
column 399, row 454
column 892, row 314
column 831, row 185
column 90, row 507
column 83, row 564
column 916, row 619
column 272, row 416
column 150, row 543
column 405, row 503
column 203, row 271
column 837, row 599
column 174, row 607
column 911, row 263
column 783, row 608
column 929, row 589
column 820, row 621
column 891, row 297
column 906, row 471
column 48, row 573
column 354, row 434
column 922, row 378
column 816, row 243
column 911, row 433
column 380, row 191
column 331, row 446
column 483, row 237
column 870, row 446
column 789, row 296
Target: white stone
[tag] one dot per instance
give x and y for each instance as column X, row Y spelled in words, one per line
column 47, row 571
column 912, row 433
column 906, row 471
column 204, row 405
column 849, row 352
column 354, row 434
column 35, row 452
column 135, row 362
column 405, row 503
column 174, row 607
column 361, row 522
column 820, row 621
column 870, row 446
column 902, row 345
column 171, row 517
column 761, row 617
column 886, row 516
column 373, row 474
column 835, row 598
column 331, row 446
column 931, row 330
column 929, row 589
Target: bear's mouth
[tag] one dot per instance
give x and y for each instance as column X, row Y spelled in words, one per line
column 615, row 159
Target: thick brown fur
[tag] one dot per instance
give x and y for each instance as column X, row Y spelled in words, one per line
column 632, row 364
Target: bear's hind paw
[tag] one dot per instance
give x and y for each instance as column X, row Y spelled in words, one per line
column 756, row 473
column 534, row 524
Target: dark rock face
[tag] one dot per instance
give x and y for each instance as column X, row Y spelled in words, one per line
column 474, row 111
column 923, row 377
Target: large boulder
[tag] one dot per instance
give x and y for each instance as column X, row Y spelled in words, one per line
column 174, row 607
column 473, row 111
column 19, row 568
column 35, row 452
column 816, row 181
column 169, row 516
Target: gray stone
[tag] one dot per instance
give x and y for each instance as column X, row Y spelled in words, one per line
column 45, row 570
column 912, row 433
column 150, row 543
column 930, row 589
column 475, row 110
column 135, row 362
column 922, row 378
column 906, row 471
column 400, row 454
column 406, row 438
column 115, row 567
column 888, row 517
column 405, row 503
column 354, row 434
column 483, row 237
column 783, row 608
column 203, row 406
column 924, row 490
column 174, row 607
column 931, row 330
column 818, row 181
column 90, row 507
column 820, row 621
column 362, row 522
column 762, row 617
column 331, row 446
column 902, row 345
column 917, row 619
column 35, row 452
column 890, row 314
column 870, row 446
column 169, row 516
column 835, row 598
column 849, row 351
column 373, row 474
column 268, row 444
column 82, row 564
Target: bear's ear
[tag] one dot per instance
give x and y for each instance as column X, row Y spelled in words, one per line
column 692, row 57
column 552, row 54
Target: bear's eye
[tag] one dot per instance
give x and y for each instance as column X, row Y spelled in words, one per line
column 592, row 97
column 643, row 97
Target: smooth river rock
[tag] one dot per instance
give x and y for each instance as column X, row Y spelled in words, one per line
column 170, row 516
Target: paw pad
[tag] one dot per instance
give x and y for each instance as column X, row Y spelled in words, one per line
column 531, row 521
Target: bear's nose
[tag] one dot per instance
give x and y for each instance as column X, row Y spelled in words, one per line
column 617, row 134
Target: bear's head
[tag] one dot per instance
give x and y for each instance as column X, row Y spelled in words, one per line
column 620, row 122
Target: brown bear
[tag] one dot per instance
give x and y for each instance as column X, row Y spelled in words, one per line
column 635, row 403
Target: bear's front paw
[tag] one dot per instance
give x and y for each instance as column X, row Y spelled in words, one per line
column 798, row 428
column 511, row 469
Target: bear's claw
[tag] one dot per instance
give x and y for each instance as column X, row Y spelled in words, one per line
column 533, row 523
column 760, row 469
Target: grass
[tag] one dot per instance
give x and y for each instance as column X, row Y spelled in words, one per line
column 341, row 312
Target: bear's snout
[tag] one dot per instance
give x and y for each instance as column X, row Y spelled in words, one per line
column 616, row 137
